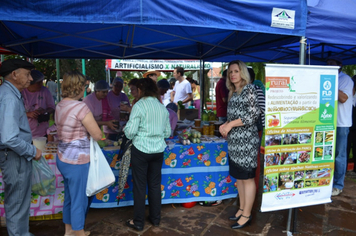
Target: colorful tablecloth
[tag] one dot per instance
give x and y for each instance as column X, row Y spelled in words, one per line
column 197, row 172
column 42, row 205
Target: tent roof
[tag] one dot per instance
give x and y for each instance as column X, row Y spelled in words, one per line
column 332, row 22
column 330, row 31
column 174, row 29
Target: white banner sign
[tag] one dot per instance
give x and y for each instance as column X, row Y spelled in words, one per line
column 160, row 65
column 301, row 113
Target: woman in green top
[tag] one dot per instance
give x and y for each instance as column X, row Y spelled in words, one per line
column 148, row 126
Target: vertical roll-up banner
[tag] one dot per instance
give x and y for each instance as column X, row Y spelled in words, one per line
column 300, row 132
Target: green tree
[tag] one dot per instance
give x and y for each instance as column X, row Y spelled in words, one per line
column 259, row 69
column 46, row 66
column 95, row 69
column 349, row 70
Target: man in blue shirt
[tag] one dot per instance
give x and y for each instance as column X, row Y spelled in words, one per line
column 16, row 150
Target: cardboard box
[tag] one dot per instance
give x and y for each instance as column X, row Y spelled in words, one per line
column 189, row 114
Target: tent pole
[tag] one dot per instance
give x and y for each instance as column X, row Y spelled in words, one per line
column 301, row 62
column 1, row 60
column 83, row 66
column 289, row 219
column 302, row 51
column 202, row 84
column 58, row 81
column 108, row 76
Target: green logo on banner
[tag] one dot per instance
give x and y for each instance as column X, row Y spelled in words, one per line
column 327, row 98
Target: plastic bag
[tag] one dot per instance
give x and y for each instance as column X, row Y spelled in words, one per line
column 100, row 175
column 43, row 178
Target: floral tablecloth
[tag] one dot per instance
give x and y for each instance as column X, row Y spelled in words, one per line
column 196, row 172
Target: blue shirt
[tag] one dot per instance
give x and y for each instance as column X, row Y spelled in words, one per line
column 15, row 132
column 148, row 125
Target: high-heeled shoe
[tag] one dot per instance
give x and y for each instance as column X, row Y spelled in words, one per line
column 234, row 218
column 238, row 226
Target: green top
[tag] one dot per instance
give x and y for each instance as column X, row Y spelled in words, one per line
column 148, row 125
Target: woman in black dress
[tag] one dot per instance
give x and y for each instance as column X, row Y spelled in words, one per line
column 242, row 137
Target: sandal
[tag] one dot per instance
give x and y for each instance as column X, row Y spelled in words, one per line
column 87, row 233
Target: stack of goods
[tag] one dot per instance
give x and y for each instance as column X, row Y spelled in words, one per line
column 208, row 115
column 50, row 150
column 51, row 147
column 189, row 136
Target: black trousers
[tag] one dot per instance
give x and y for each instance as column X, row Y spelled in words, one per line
column 146, row 171
column 351, row 141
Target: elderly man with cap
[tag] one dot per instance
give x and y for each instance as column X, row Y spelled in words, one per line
column 16, row 150
column 39, row 104
column 344, row 122
column 152, row 74
column 115, row 98
column 99, row 106
column 163, row 85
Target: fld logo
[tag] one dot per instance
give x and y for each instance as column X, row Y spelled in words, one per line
column 327, row 98
column 284, row 195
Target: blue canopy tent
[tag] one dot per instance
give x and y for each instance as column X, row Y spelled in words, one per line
column 331, row 30
column 174, row 29
column 171, row 29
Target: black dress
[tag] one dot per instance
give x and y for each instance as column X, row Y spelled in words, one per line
column 243, row 141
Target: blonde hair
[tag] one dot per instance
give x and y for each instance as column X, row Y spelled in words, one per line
column 73, row 84
column 245, row 76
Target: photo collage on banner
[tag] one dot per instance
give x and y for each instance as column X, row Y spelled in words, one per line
column 301, row 113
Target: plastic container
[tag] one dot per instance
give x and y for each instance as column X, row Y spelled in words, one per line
column 40, row 142
column 189, row 204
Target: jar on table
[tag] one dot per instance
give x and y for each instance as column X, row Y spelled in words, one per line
column 211, row 129
column 206, row 129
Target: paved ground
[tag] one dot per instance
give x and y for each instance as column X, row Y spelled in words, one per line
column 337, row 218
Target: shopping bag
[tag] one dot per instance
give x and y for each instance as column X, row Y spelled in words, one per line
column 43, row 178
column 124, row 169
column 100, row 175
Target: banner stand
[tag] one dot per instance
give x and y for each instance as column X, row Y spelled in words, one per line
column 300, row 137
column 302, row 61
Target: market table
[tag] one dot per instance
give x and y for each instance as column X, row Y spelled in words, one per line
column 196, row 172
column 50, row 206
column 191, row 173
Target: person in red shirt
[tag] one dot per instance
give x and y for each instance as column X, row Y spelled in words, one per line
column 221, row 93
